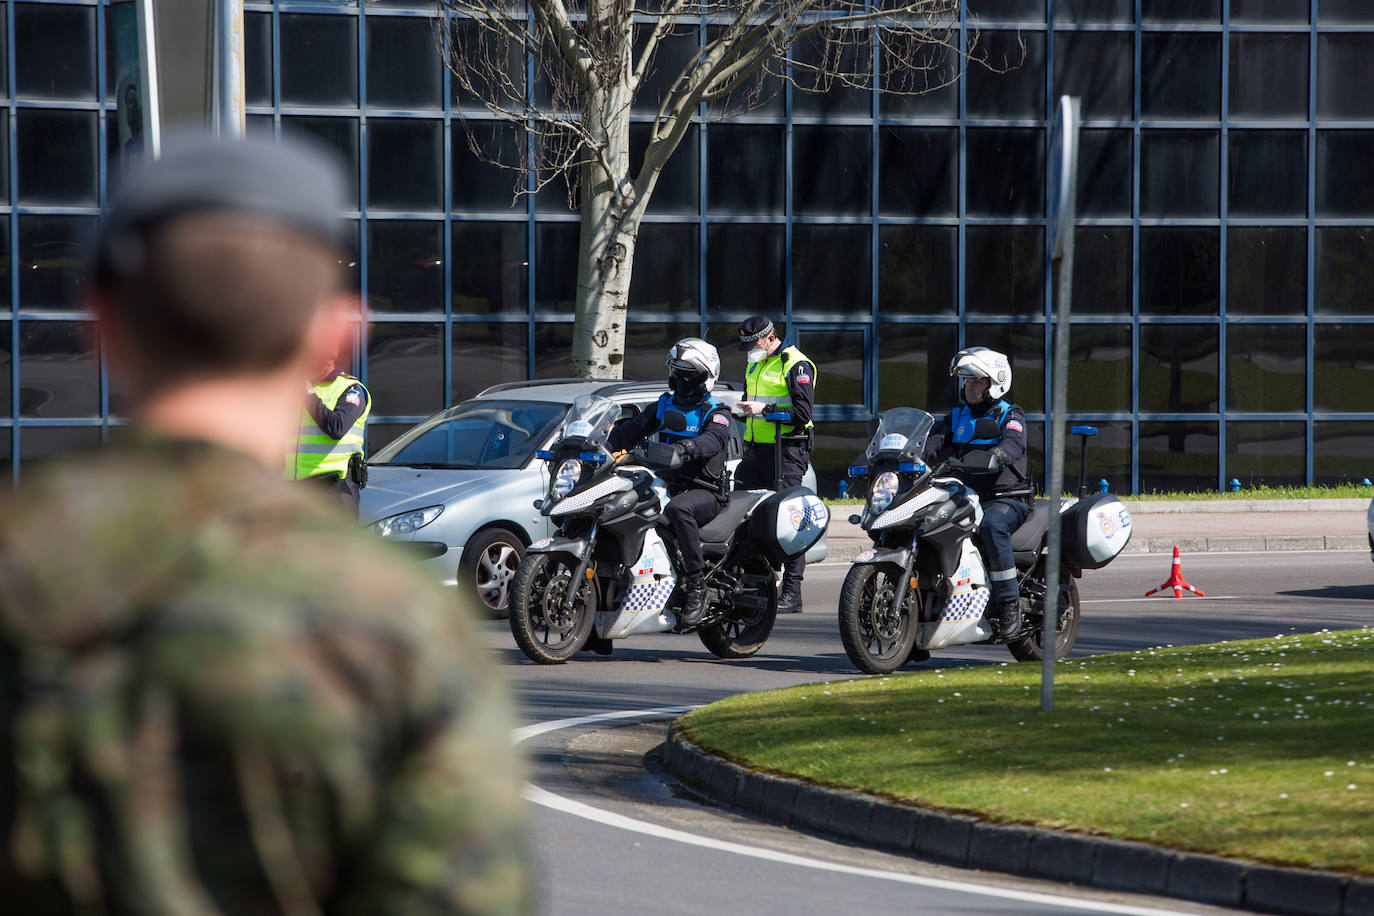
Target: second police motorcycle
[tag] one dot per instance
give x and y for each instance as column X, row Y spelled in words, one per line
column 612, row 570
column 924, row 584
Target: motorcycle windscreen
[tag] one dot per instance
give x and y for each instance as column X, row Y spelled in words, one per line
column 787, row 524
column 1095, row 529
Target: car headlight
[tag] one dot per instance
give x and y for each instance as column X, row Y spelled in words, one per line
column 883, row 492
column 406, row 522
column 569, row 473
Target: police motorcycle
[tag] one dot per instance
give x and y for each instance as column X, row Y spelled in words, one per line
column 612, row 569
column 924, row 584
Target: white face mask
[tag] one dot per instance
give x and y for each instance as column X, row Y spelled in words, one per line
column 757, row 354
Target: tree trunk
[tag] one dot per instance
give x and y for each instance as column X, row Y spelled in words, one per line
column 606, row 250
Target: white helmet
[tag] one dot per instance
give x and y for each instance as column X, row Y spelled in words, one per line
column 693, row 366
column 980, row 362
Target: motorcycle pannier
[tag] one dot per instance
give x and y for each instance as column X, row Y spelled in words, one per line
column 1094, row 529
column 787, row 523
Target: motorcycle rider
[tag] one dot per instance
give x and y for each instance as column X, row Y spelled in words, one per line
column 699, row 488
column 987, row 421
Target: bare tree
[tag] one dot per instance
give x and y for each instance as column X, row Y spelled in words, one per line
column 589, row 59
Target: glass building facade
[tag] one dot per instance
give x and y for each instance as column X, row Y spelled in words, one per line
column 1221, row 319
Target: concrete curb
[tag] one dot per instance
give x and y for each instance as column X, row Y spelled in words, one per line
column 966, row 841
column 1193, row 507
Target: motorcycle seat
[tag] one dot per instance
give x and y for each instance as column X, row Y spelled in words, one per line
column 717, row 532
column 1027, row 538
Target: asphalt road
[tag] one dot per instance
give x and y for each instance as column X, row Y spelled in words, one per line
column 615, row 834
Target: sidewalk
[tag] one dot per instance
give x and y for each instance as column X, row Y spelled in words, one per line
column 1202, row 525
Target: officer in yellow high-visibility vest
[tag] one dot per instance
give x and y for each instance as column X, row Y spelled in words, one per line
column 779, row 379
column 332, row 435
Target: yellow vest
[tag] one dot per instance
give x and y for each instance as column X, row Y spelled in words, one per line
column 316, row 453
column 766, row 381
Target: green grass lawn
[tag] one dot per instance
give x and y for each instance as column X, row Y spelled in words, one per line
column 1262, row 749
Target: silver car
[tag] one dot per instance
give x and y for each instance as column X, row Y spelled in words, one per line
column 460, row 487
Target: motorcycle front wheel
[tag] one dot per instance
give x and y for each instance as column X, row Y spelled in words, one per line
column 877, row 637
column 743, row 631
column 544, row 628
column 1030, row 648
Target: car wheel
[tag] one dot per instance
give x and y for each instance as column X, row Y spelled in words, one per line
column 489, row 564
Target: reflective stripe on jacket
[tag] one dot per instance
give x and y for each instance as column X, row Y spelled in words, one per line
column 766, row 381
column 316, row 453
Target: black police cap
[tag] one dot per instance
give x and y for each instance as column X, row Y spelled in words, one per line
column 296, row 184
column 752, row 330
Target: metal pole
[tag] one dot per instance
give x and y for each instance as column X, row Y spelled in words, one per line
column 1063, row 252
column 230, row 105
column 150, row 78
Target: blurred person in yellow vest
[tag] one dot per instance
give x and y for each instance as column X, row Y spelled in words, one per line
column 330, row 443
column 779, row 382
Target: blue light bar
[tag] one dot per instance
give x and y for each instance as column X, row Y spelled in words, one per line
column 912, row 467
column 858, row 470
column 1083, row 431
column 777, row 417
column 544, row 453
column 593, row 457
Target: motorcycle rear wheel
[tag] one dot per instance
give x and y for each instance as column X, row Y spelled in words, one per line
column 742, row 635
column 1029, row 647
column 877, row 638
column 543, row 630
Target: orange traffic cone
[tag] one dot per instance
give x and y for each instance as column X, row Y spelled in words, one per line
column 1176, row 580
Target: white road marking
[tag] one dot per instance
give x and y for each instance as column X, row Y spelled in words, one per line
column 1188, row 598
column 556, row 802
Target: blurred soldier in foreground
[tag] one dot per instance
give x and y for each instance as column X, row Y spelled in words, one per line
column 214, row 697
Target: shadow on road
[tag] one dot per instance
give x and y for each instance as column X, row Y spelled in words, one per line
column 1334, row 592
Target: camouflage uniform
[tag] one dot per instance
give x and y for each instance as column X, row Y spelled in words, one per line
column 216, row 698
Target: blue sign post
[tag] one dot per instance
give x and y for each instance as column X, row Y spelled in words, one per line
column 1063, row 190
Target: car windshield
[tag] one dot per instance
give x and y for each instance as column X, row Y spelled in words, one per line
column 903, row 431
column 480, row 434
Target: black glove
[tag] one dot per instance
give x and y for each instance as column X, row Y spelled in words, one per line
column 687, row 448
column 998, row 459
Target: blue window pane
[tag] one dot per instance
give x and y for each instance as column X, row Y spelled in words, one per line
column 1179, row 173
column 913, row 365
column 1010, row 165
column 666, row 280
column 1266, row 271
column 1345, row 83
column 338, row 134
column 1094, row 11
column 1268, row 171
column 1266, row 367
column 831, row 171
column 646, row 346
column 919, row 169
column 555, row 276
column 1180, row 75
column 490, row 266
column 52, row 259
column 1005, row 270
column 1342, row 359
column 1268, row 75
column 1104, row 172
column 1340, row 451
column 826, row 96
column 485, row 157
column 59, row 369
column 1179, row 270
column 1016, row 10
column 487, row 353
column 831, row 269
column 1179, row 368
column 745, row 169
column 1345, row 173
column 1181, row 10
column 916, row 270
column 404, row 69
column 1345, row 270
column 257, row 58
column 405, row 164
column 745, row 268
column 319, row 60
column 54, row 51
column 679, row 184
column 57, row 157
column 552, row 350
column 841, row 359
column 6, row 385
column 1267, row 453
column 405, row 368
column 1265, row 11
column 1102, row 270
column 1177, row 456
column 1006, row 75
column 675, row 50
column 1100, row 367
column 1098, row 68
column 1024, row 344
column 918, row 82
column 405, row 265
column 1343, row 12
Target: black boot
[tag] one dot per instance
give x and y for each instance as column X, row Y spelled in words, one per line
column 1006, row 617
column 790, row 601
column 693, row 600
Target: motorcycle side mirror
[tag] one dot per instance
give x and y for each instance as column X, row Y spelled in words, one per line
column 538, row 504
column 674, row 421
column 855, row 519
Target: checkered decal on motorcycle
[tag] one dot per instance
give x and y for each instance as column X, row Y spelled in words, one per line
column 965, row 606
column 649, row 596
